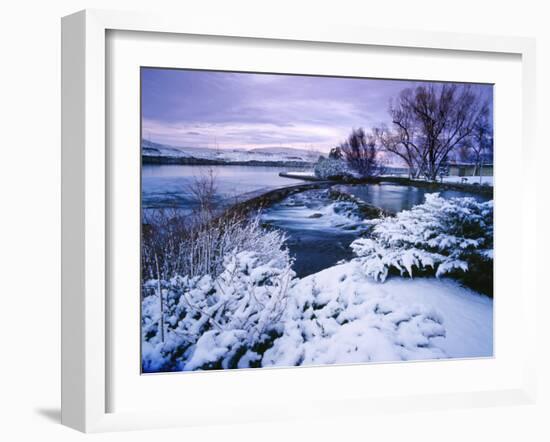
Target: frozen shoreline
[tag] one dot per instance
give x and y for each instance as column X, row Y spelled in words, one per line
column 364, row 321
column 253, row 312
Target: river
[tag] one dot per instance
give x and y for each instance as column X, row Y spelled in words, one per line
column 319, row 229
column 169, row 185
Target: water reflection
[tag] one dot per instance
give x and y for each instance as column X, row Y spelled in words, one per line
column 168, row 185
column 320, row 229
column 396, row 198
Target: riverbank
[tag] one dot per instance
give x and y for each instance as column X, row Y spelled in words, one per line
column 313, row 291
column 472, row 186
column 437, row 186
column 261, row 200
column 193, row 161
column 315, row 214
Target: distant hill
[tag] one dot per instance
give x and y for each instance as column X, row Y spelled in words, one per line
column 149, row 148
column 163, row 154
column 288, row 151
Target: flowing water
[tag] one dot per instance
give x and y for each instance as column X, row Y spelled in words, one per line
column 319, row 228
column 395, row 198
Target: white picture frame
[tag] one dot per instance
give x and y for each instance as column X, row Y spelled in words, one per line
column 85, row 198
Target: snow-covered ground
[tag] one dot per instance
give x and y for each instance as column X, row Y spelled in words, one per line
column 340, row 316
column 485, row 180
column 301, row 174
column 253, row 312
column 336, row 316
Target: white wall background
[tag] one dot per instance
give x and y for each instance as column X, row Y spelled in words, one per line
column 30, row 214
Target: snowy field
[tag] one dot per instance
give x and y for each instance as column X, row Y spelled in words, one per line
column 485, row 180
column 452, row 179
column 350, row 319
column 397, row 297
column 336, row 316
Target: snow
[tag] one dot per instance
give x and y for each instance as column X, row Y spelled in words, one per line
column 312, row 154
column 213, row 346
column 336, row 316
column 214, row 322
column 358, row 320
column 254, row 312
column 306, row 173
column 149, row 148
column 327, row 168
column 485, row 180
column 230, row 155
column 441, row 236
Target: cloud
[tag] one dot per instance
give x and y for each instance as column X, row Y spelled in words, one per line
column 205, row 108
column 244, row 135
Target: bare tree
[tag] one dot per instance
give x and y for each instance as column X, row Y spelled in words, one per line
column 398, row 142
column 361, row 152
column 481, row 140
column 429, row 122
column 463, row 153
column 203, row 189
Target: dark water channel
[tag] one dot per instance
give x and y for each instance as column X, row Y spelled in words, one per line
column 320, row 228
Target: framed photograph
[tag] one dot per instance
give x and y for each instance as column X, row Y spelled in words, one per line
column 276, row 222
column 267, row 242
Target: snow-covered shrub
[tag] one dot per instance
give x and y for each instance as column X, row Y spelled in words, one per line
column 331, row 168
column 442, row 236
column 333, row 319
column 186, row 245
column 201, row 322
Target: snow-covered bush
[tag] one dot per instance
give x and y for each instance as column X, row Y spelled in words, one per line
column 332, row 318
column 442, row 236
column 331, row 168
column 201, row 322
column 185, row 245
column 195, row 242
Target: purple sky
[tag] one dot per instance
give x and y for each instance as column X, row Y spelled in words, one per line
column 240, row 110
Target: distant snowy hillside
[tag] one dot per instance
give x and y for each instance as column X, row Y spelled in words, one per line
column 289, row 152
column 151, row 150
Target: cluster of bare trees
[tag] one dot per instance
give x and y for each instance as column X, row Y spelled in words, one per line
column 431, row 121
column 481, row 144
column 360, row 152
column 428, row 124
